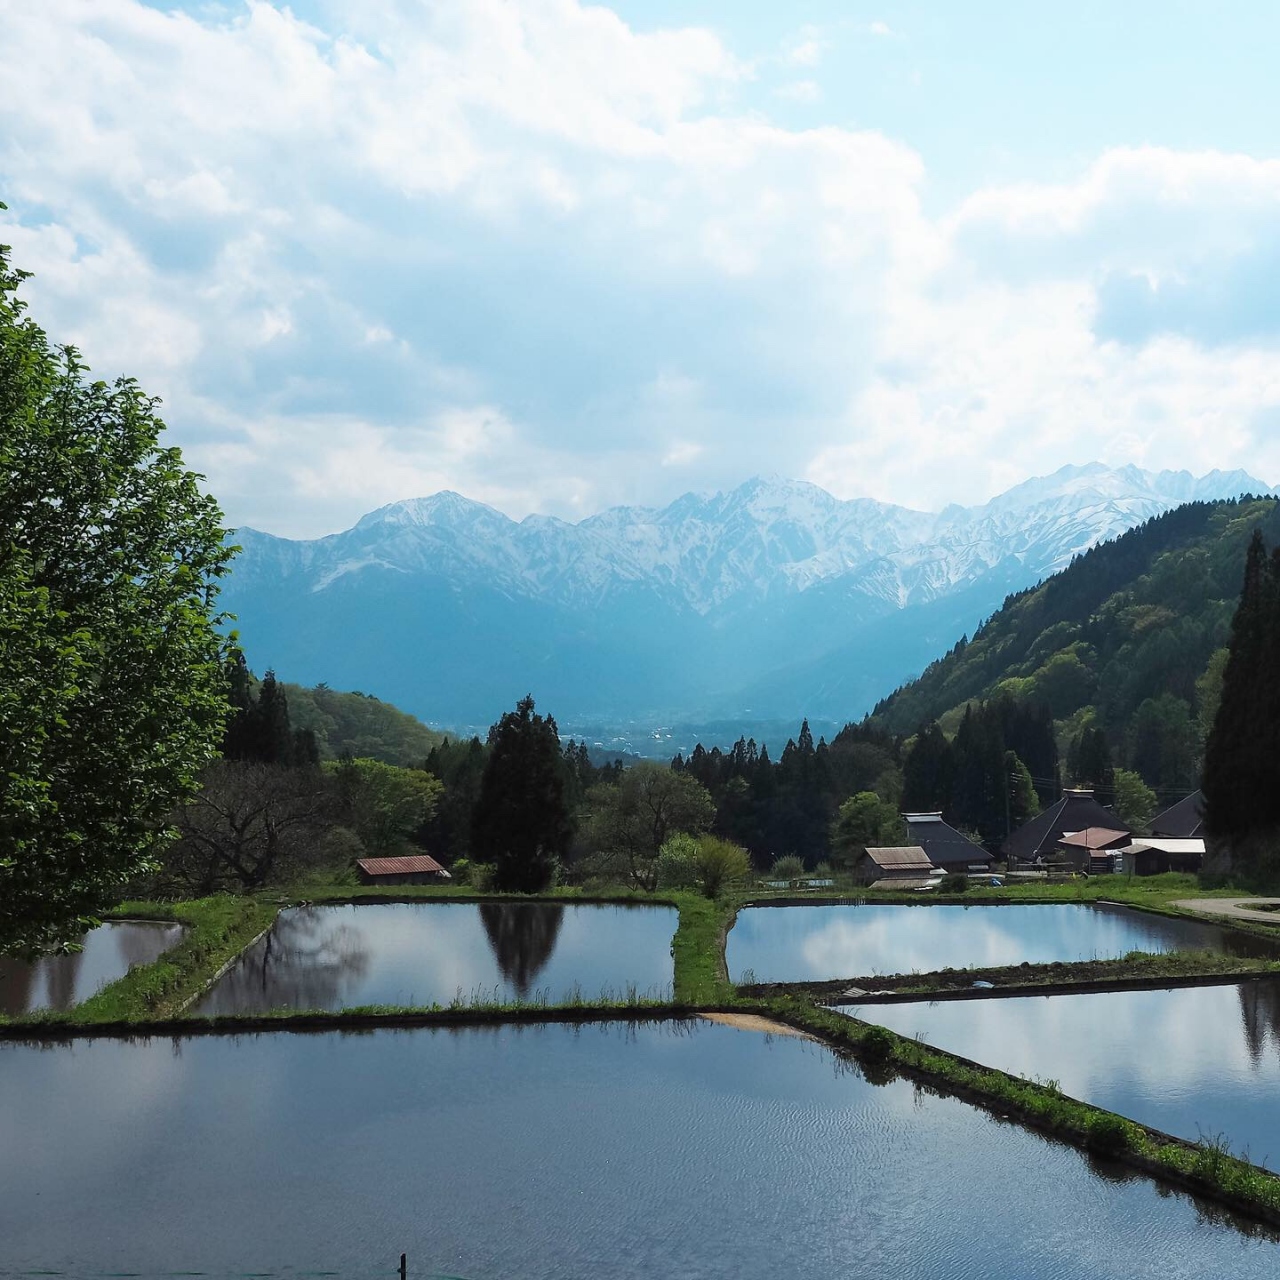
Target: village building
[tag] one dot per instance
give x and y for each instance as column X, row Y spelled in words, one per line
column 1154, row 855
column 1094, row 849
column 946, row 847
column 907, row 866
column 1182, row 821
column 1038, row 841
column 419, row 869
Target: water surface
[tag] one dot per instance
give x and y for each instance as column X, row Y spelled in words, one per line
column 58, row 982
column 424, row 953
column 800, row 944
column 1196, row 1061
column 551, row 1152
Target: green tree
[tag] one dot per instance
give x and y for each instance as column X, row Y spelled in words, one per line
column 1242, row 761
column 113, row 693
column 1209, row 691
column 927, row 771
column 720, row 862
column 521, row 822
column 637, row 815
column 1135, row 802
column 864, row 821
column 384, row 805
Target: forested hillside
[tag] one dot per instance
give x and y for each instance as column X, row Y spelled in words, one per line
column 360, row 725
column 1125, row 648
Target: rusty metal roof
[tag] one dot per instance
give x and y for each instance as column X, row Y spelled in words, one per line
column 901, row 857
column 400, row 866
column 1095, row 838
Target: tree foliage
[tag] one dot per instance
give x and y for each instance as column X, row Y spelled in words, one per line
column 112, row 689
column 521, row 821
column 1242, row 765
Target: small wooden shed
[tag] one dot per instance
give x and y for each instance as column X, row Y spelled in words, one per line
column 419, row 869
column 898, row 863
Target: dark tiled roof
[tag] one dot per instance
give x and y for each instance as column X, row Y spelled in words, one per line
column 399, row 866
column 1075, row 811
column 942, row 842
column 1181, row 821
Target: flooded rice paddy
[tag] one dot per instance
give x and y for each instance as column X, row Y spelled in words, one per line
column 1198, row 1062
column 58, row 982
column 669, row 1149
column 335, row 957
column 813, row 943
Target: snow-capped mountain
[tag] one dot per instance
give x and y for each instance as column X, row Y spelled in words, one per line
column 453, row 610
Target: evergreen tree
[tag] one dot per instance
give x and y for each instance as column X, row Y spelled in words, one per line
column 521, row 821
column 927, row 772
column 1242, row 762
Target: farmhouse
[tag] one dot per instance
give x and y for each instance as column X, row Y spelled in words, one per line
column 904, row 864
column 1182, row 821
column 1092, row 849
column 946, row 847
column 1039, row 839
column 419, row 869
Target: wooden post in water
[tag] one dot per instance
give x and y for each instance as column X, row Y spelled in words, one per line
column 403, row 1267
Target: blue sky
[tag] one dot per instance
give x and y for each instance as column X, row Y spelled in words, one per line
column 559, row 256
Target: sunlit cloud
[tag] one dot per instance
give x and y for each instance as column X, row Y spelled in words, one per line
column 535, row 255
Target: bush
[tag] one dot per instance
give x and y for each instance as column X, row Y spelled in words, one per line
column 720, row 862
column 878, row 1044
column 1109, row 1134
column 480, row 876
column 678, row 863
column 787, row 868
column 954, row 883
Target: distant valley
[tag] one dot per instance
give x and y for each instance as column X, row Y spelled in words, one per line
column 770, row 602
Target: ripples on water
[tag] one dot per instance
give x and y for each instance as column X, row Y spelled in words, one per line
column 1195, row 1061
column 659, row 1150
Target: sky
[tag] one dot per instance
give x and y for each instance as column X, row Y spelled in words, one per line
column 559, row 256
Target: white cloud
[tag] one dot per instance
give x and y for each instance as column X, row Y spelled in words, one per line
column 879, row 28
column 800, row 91
column 806, row 48
column 525, row 252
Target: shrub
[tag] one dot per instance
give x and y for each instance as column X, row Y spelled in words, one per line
column 1109, row 1134
column 787, row 868
column 678, row 863
column 480, row 876
column 878, row 1044
column 954, row 883
column 720, row 862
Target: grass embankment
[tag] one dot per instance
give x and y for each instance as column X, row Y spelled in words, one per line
column 1135, row 970
column 217, row 930
column 1205, row 1168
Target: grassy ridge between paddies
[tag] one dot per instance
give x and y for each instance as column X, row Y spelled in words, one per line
column 1205, row 1168
column 217, row 930
column 154, row 997
column 1135, row 970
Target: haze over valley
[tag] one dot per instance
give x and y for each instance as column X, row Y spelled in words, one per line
column 767, row 603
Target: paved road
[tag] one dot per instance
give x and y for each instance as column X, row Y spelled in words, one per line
column 1236, row 910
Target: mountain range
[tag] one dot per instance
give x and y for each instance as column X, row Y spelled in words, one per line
column 774, row 599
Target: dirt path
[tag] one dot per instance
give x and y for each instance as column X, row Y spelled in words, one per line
column 754, row 1022
column 1233, row 910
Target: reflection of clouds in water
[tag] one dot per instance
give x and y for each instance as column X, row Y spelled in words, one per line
column 790, row 943
column 1184, row 1055
column 131, row 1090
column 424, row 953
column 58, row 982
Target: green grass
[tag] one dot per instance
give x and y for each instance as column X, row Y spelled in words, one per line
column 698, row 949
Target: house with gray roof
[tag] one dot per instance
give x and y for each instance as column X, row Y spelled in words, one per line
column 947, row 848
column 1077, row 810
